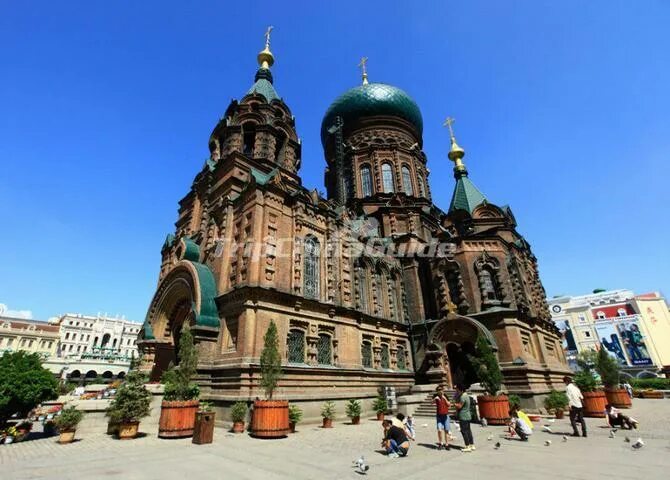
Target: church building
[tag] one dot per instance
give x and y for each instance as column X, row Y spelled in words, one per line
column 372, row 286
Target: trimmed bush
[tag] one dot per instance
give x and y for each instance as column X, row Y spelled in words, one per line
column 653, row 383
column 238, row 412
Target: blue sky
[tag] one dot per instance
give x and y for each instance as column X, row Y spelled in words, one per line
column 562, row 108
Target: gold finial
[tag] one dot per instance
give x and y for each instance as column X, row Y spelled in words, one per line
column 456, row 153
column 451, row 307
column 364, row 69
column 265, row 57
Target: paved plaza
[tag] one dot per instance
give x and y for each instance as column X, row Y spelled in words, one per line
column 315, row 453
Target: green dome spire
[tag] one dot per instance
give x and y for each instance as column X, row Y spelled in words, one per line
column 372, row 99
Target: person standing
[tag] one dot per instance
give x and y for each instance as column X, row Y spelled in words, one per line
column 442, row 418
column 575, row 398
column 464, row 416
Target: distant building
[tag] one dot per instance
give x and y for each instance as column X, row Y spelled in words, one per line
column 635, row 330
column 32, row 336
column 86, row 335
column 93, row 346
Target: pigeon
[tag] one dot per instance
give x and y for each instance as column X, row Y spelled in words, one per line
column 626, row 439
column 489, row 438
column 424, row 425
column 484, row 422
column 497, row 445
column 547, row 443
column 638, row 444
column 611, row 435
column 551, row 420
column 361, row 466
column 547, row 429
column 565, row 439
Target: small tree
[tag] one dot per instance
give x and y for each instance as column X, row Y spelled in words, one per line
column 177, row 380
column 487, row 367
column 132, row 400
column 608, row 369
column 353, row 408
column 68, row 419
column 270, row 361
column 24, row 383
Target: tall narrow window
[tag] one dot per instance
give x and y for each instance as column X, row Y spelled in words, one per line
column 295, row 345
column 401, row 360
column 366, row 355
column 363, row 288
column 249, row 138
column 324, row 355
column 407, row 181
column 311, row 266
column 366, row 181
column 387, row 178
column 422, row 189
column 385, row 357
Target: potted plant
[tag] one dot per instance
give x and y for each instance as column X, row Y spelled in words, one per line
column 9, row 435
column 328, row 414
column 556, row 402
column 294, row 416
column 49, row 427
column 493, row 407
column 239, row 414
column 67, row 423
column 380, row 405
column 270, row 417
column 180, row 397
column 608, row 369
column 131, row 403
column 353, row 410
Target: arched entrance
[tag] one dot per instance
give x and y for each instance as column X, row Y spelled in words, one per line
column 451, row 343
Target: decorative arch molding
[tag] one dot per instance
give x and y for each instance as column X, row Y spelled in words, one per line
column 443, row 331
column 190, row 283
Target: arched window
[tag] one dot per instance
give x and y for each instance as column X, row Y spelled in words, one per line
column 324, row 355
column 249, row 138
column 311, row 266
column 384, row 357
column 105, row 339
column 488, row 285
column 366, row 181
column 401, row 360
column 366, row 354
column 622, row 312
column 407, row 181
column 422, row 189
column 387, row 178
column 280, row 143
column 295, row 346
column 601, row 314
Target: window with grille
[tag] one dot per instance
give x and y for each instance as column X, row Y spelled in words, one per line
column 385, row 357
column 401, row 360
column 407, row 181
column 324, row 355
column 366, row 181
column 311, row 277
column 366, row 355
column 295, row 346
column 387, row 178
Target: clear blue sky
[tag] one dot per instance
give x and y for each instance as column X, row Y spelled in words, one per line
column 562, row 108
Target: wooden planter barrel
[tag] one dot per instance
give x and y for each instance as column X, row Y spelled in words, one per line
column 494, row 409
column 618, row 397
column 652, row 394
column 594, row 404
column 177, row 419
column 270, row 419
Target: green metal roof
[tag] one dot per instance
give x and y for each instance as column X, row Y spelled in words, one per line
column 369, row 100
column 466, row 196
column 263, row 85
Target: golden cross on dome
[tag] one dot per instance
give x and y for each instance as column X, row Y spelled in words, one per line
column 448, row 123
column 451, row 307
column 267, row 36
column 363, row 66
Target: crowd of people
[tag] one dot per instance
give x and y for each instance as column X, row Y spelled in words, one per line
column 400, row 431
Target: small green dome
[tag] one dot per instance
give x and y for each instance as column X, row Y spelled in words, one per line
column 369, row 100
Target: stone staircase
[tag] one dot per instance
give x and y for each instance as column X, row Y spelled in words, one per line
column 427, row 408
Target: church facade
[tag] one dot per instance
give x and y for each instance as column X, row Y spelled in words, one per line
column 371, row 286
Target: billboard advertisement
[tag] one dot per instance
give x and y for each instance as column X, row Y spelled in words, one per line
column 633, row 342
column 623, row 340
column 609, row 340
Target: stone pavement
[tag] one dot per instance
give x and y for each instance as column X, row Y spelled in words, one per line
column 315, row 453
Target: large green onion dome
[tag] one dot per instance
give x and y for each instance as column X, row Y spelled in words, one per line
column 369, row 100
